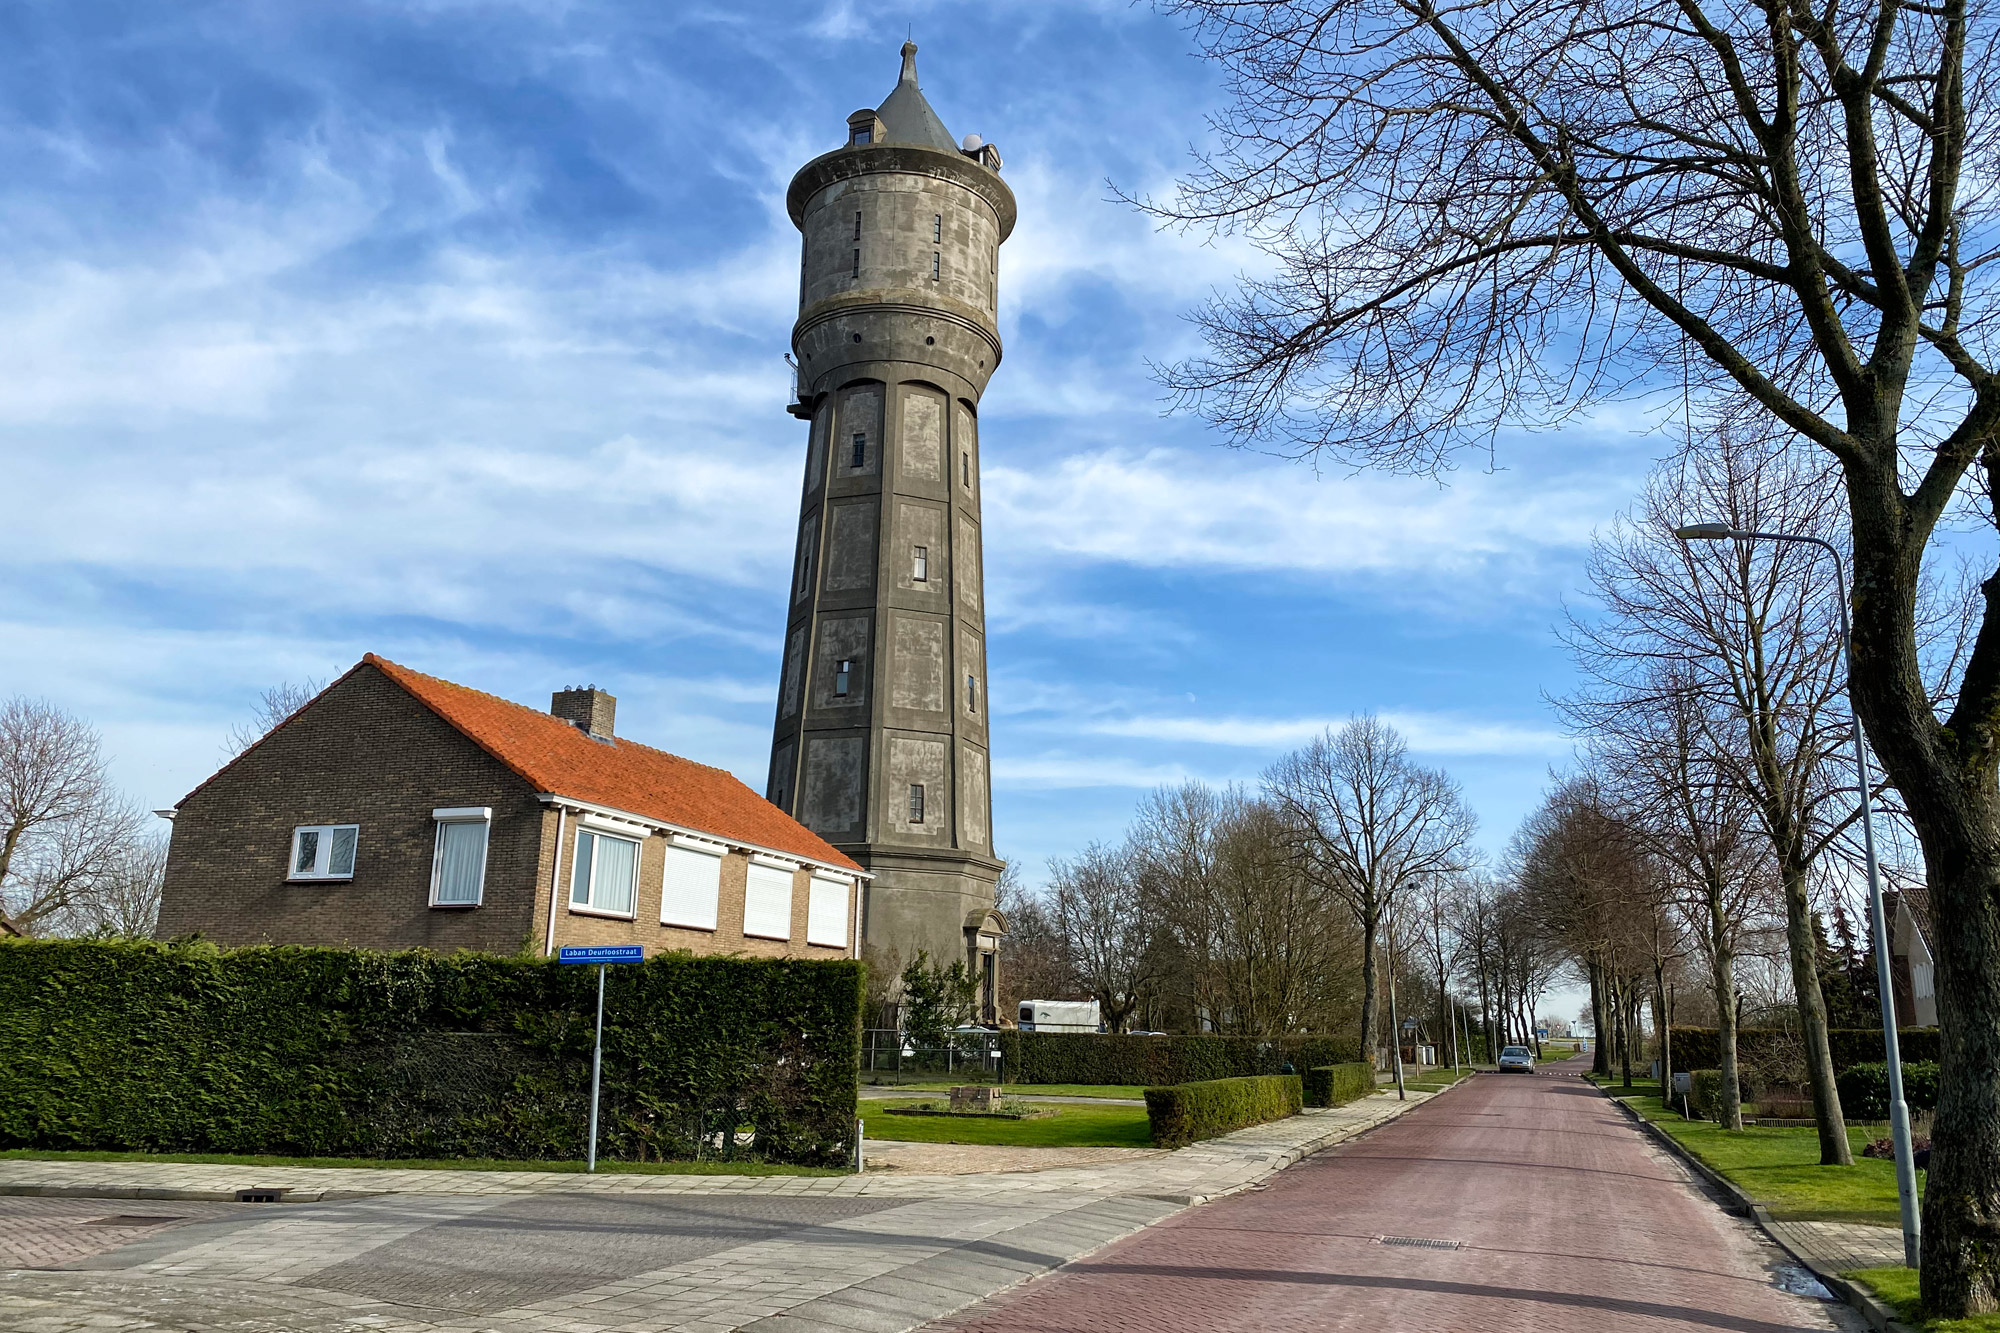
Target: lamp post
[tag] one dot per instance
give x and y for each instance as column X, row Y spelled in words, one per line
column 1899, row 1110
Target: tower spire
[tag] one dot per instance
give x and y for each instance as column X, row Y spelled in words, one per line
column 909, row 74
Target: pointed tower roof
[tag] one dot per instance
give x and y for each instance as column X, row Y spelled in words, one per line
column 907, row 117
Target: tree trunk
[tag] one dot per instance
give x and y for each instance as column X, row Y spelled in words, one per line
column 1485, row 1013
column 1961, row 1208
column 1600, row 1055
column 1624, row 1034
column 1666, row 1036
column 1369, row 921
column 1723, row 975
column 1834, row 1149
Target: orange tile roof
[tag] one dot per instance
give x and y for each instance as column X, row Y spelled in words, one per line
column 560, row 759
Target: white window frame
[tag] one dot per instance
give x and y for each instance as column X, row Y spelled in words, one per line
column 322, row 853
column 444, row 817
column 676, row 913
column 827, row 917
column 588, row 826
column 769, row 866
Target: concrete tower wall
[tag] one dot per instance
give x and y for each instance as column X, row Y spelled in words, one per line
column 880, row 742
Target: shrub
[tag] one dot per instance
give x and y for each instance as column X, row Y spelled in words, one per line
column 1864, row 1089
column 1188, row 1112
column 1337, row 1085
column 1705, row 1093
column 350, row 1053
column 1095, row 1057
column 1700, row 1048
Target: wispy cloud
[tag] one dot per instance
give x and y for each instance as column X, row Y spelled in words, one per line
column 1427, row 733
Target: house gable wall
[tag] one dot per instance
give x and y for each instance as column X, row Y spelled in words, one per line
column 363, row 753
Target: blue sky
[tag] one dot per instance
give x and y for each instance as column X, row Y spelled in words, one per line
column 453, row 331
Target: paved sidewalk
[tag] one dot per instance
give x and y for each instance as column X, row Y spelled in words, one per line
column 1841, row 1247
column 1202, row 1171
column 526, row 1252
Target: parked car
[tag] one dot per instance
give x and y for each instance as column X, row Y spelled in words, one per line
column 1514, row 1058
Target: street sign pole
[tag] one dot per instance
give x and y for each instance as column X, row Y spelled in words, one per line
column 596, row 1071
column 599, row 955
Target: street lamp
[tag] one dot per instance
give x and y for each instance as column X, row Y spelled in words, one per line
column 1899, row 1110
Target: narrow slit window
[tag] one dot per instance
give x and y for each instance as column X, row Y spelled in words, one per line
column 857, row 224
column 916, row 802
column 937, row 228
column 920, row 563
column 971, row 694
column 857, row 262
column 843, row 671
column 965, row 467
column 860, row 449
column 937, row 265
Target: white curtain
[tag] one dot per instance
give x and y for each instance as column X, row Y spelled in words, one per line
column 616, row 882
column 461, row 861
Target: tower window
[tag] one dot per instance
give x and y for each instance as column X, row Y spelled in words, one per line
column 863, row 136
column 965, row 467
column 971, row 694
column 860, row 449
column 857, row 268
column 841, row 673
column 916, row 802
column 920, row 563
column 937, row 228
column 937, row 264
column 857, row 224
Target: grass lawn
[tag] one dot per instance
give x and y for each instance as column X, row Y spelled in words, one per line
column 1897, row 1287
column 1433, row 1080
column 1074, row 1125
column 1780, row 1168
column 703, row 1168
column 1132, row 1091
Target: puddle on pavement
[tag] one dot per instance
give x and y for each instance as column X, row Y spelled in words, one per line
column 1799, row 1281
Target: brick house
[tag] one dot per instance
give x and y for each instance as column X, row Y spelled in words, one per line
column 397, row 810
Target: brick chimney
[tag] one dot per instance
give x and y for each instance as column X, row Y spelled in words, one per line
column 588, row 707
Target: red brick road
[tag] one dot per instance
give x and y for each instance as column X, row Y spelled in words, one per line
column 1567, row 1218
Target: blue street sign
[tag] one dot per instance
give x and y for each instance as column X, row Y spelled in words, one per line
column 601, row 953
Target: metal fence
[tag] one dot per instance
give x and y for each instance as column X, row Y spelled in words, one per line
column 889, row 1057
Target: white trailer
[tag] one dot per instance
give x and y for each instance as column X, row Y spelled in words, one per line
column 1061, row 1016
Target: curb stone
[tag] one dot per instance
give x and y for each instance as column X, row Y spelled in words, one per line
column 1869, row 1306
column 167, row 1195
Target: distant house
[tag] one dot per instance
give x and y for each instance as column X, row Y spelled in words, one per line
column 399, row 810
column 1912, row 970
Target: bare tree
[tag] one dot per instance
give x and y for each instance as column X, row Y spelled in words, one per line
column 63, row 828
column 1505, row 213
column 1365, row 822
column 123, row 900
column 274, row 706
column 1743, row 631
column 1035, row 963
column 1098, row 910
column 1435, row 911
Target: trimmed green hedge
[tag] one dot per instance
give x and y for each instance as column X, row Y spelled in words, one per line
column 1337, row 1085
column 352, row 1053
column 1189, row 1112
column 1700, row 1048
column 1097, row 1057
column 1864, row 1089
